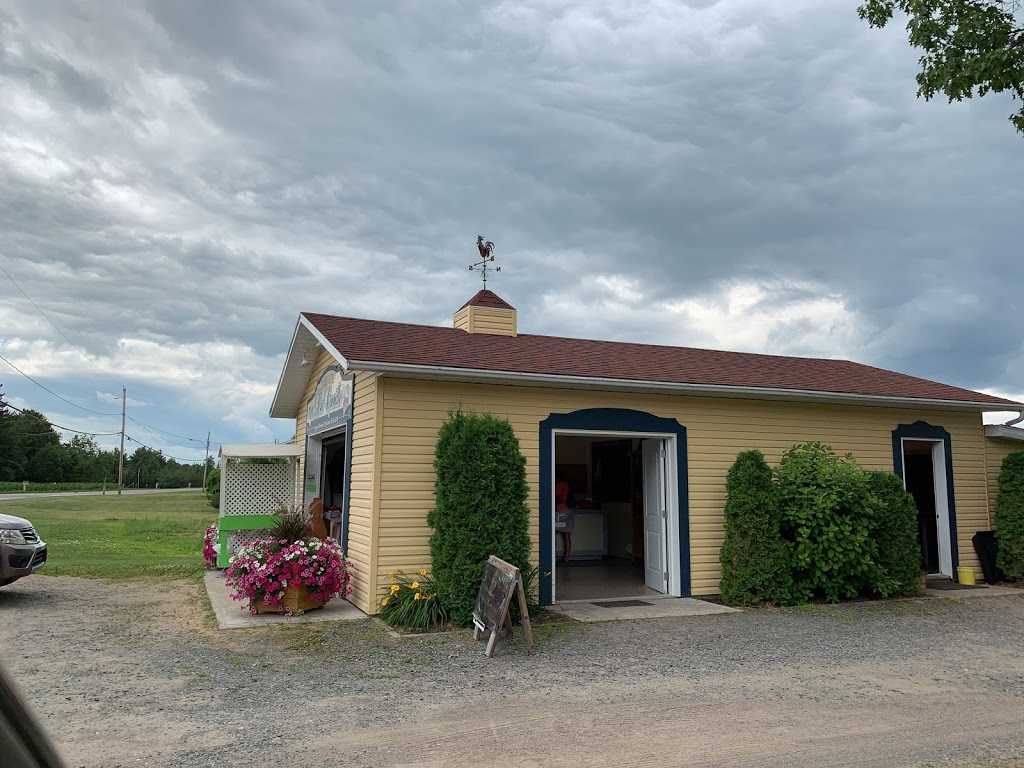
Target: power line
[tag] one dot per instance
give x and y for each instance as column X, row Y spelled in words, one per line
column 131, row 439
column 161, row 437
column 40, row 311
column 87, row 410
column 183, row 437
column 58, row 426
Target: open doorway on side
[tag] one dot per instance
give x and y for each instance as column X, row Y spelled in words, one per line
column 327, row 478
column 617, row 533
column 924, row 476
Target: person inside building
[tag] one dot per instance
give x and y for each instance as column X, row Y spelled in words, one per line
column 564, row 515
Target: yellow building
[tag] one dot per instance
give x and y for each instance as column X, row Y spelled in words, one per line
column 643, row 433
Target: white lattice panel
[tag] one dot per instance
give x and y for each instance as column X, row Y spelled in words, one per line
column 258, row 489
column 238, row 539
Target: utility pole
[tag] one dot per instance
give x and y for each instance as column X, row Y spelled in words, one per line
column 120, row 459
column 206, row 460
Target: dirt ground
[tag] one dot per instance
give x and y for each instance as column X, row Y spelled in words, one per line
column 125, row 675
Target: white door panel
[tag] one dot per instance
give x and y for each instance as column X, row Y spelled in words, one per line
column 655, row 515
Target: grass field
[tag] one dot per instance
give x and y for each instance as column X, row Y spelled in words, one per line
column 120, row 537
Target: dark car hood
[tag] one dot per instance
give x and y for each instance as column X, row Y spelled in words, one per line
column 10, row 521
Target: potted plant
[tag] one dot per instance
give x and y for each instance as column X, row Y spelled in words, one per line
column 289, row 572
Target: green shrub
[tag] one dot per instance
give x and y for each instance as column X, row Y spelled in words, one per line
column 480, row 507
column 828, row 517
column 1009, row 517
column 896, row 541
column 213, row 488
column 755, row 558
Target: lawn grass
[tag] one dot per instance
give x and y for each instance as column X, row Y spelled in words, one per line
column 120, row 537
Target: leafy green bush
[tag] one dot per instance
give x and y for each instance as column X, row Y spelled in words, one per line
column 899, row 551
column 828, row 516
column 1009, row 516
column 755, row 558
column 213, row 488
column 480, row 507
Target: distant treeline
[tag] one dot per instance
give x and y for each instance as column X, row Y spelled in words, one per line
column 31, row 450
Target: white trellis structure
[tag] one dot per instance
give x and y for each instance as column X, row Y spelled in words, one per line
column 252, row 490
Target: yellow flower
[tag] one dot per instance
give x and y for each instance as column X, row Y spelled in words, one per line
column 394, row 588
column 423, row 571
column 415, row 585
column 417, row 596
column 391, row 576
column 383, row 602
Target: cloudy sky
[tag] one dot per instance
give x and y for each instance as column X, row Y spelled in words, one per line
column 179, row 179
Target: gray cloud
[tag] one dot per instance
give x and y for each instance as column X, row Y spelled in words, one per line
column 188, row 173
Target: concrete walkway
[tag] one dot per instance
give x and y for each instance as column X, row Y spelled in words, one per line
column 232, row 614
column 621, row 608
column 983, row 590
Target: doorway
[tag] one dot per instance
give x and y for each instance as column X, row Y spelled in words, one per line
column 611, row 424
column 924, row 477
column 618, row 488
column 328, row 456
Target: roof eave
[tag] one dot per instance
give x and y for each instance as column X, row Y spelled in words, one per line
column 286, row 401
column 483, row 376
column 1004, row 432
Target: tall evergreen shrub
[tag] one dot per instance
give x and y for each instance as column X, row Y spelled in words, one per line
column 213, row 488
column 755, row 559
column 895, row 535
column 480, row 507
column 1009, row 516
column 828, row 517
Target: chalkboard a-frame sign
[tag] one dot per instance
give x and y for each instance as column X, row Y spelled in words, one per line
column 500, row 580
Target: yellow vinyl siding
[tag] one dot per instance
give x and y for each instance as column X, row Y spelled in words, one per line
column 717, row 429
column 500, row 322
column 996, row 450
column 361, row 546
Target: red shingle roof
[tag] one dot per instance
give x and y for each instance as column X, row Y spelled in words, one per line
column 488, row 299
column 377, row 341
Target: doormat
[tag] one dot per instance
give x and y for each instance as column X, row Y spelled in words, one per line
column 621, row 604
column 947, row 584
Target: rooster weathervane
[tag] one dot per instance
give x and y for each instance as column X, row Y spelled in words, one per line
column 486, row 248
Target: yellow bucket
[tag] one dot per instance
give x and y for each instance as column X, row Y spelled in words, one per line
column 965, row 575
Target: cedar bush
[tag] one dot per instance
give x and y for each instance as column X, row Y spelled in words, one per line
column 755, row 558
column 213, row 488
column 828, row 517
column 895, row 535
column 480, row 507
column 1009, row 517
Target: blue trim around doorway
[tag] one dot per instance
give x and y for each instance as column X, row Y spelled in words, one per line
column 923, row 430
column 602, row 420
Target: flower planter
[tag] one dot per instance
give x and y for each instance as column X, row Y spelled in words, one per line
column 306, row 565
column 295, row 599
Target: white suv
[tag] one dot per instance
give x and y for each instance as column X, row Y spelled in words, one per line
column 22, row 552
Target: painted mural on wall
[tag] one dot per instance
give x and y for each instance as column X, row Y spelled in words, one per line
column 331, row 403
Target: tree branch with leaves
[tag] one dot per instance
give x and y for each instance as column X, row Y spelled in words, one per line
column 971, row 47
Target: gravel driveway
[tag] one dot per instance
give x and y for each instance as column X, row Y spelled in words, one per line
column 123, row 674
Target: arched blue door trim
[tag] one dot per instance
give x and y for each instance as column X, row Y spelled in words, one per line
column 924, row 430
column 607, row 420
